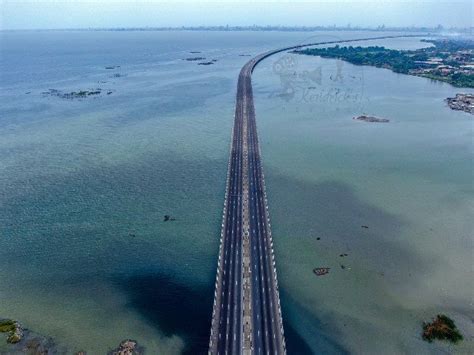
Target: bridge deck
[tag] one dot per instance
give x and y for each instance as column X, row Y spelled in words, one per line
column 246, row 316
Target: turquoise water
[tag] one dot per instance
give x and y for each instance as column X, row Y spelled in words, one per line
column 409, row 181
column 84, row 184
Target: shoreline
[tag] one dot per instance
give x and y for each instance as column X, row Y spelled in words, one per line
column 449, row 60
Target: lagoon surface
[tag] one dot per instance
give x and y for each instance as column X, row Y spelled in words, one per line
column 85, row 255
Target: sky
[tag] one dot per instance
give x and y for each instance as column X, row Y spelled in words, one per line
column 116, row 13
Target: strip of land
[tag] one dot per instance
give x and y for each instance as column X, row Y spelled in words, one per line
column 449, row 60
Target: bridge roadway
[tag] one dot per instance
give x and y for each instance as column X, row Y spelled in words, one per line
column 246, row 317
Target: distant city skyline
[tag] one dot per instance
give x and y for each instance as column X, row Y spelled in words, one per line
column 113, row 13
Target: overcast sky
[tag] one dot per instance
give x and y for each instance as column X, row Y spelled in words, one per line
column 116, row 13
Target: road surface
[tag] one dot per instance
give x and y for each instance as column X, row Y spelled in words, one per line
column 246, row 317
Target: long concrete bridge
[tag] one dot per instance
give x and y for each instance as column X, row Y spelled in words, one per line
column 246, row 317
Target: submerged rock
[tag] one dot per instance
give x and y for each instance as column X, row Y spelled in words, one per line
column 72, row 94
column 206, row 63
column 371, row 119
column 441, row 328
column 194, row 59
column 167, row 218
column 127, row 347
column 40, row 345
column 14, row 330
column 23, row 341
column 320, row 271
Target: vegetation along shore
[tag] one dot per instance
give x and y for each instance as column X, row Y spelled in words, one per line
column 449, row 60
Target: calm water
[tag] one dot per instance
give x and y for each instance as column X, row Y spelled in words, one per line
column 84, row 184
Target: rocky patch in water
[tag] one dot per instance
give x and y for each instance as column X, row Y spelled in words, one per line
column 441, row 328
column 24, row 341
column 207, row 63
column 128, row 347
column 462, row 102
column 167, row 218
column 197, row 59
column 321, row 271
column 82, row 94
column 194, row 59
column 371, row 119
column 13, row 329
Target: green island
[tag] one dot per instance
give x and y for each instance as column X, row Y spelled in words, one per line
column 441, row 328
column 449, row 60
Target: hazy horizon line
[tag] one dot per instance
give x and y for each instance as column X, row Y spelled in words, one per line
column 247, row 27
